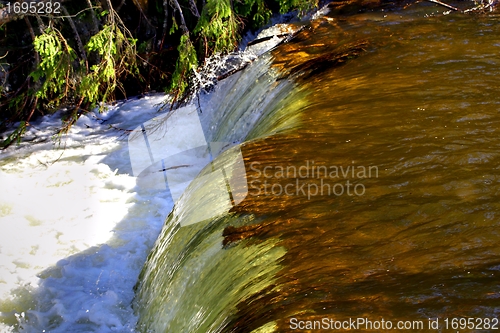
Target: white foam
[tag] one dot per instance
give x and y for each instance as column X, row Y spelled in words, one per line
column 76, row 229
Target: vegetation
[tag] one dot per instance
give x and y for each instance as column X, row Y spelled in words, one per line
column 95, row 51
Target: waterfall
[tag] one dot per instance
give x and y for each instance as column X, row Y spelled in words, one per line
column 347, row 178
column 363, row 195
column 199, row 282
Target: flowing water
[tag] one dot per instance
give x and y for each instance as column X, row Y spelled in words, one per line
column 370, row 185
column 352, row 173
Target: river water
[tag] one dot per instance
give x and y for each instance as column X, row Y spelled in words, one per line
column 362, row 170
column 378, row 202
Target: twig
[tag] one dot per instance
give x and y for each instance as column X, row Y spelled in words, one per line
column 32, row 34
column 444, row 4
column 193, row 8
column 264, row 39
column 175, row 167
column 232, row 71
column 37, row 62
column 41, row 25
column 184, row 28
column 95, row 24
column 120, row 5
column 112, row 13
column 165, row 24
column 77, row 37
column 7, row 16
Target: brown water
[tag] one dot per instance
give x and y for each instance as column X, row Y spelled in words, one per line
column 411, row 104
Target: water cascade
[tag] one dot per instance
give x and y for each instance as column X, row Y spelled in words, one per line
column 349, row 174
column 378, row 201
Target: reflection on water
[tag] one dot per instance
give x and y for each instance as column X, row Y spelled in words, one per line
column 416, row 99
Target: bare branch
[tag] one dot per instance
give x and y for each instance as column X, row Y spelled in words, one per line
column 177, row 7
column 95, row 23
column 165, row 23
column 194, row 9
column 77, row 36
column 37, row 62
column 443, row 4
